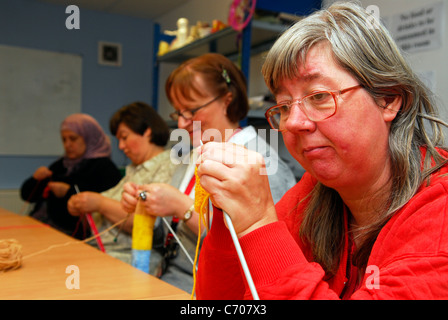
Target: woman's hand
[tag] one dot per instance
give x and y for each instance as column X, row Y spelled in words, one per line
column 59, row 189
column 236, row 180
column 42, row 173
column 161, row 199
column 165, row 200
column 84, row 202
column 129, row 197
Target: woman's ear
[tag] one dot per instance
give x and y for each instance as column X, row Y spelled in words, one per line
column 391, row 105
column 227, row 100
column 147, row 133
column 229, row 97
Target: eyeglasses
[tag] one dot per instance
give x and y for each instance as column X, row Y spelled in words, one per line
column 317, row 106
column 189, row 114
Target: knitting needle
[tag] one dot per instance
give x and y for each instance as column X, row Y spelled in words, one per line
column 250, row 282
column 178, row 241
column 240, row 253
column 92, row 225
column 142, row 195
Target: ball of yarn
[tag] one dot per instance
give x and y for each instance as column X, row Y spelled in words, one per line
column 10, row 254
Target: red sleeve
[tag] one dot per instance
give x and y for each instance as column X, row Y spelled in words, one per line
column 408, row 261
column 410, row 257
column 219, row 274
column 279, row 268
column 277, row 265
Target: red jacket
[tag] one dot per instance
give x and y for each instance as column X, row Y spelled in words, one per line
column 409, row 259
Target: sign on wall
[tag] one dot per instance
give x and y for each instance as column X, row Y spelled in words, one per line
column 419, row 29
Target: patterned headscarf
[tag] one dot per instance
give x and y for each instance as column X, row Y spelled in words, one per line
column 97, row 142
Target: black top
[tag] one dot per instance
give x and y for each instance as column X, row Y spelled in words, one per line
column 96, row 175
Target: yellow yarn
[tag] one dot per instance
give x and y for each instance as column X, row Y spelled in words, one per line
column 201, row 198
column 143, row 228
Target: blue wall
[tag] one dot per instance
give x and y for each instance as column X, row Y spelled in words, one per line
column 32, row 24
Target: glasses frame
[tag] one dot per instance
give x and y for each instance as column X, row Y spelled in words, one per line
column 290, row 103
column 176, row 114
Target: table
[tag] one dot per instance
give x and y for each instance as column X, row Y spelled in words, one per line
column 55, row 274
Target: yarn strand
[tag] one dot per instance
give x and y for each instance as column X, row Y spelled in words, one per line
column 11, row 250
column 201, row 198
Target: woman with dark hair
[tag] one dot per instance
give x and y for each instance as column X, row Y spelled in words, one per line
column 209, row 96
column 138, row 117
column 368, row 219
column 86, row 165
column 142, row 136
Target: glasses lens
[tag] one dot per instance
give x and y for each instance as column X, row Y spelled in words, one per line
column 319, row 106
column 174, row 116
column 277, row 116
column 187, row 115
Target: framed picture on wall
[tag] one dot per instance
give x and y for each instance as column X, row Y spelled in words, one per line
column 109, row 54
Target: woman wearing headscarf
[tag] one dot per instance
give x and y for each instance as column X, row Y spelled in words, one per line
column 86, row 165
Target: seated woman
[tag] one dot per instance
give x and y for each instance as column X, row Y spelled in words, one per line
column 142, row 136
column 209, row 95
column 86, row 165
column 368, row 218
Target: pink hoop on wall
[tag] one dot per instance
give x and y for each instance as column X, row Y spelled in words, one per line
column 238, row 19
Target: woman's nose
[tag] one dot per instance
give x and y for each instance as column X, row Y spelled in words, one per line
column 298, row 120
column 182, row 123
column 121, row 144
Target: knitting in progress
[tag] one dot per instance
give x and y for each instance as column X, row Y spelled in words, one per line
column 142, row 234
column 201, row 206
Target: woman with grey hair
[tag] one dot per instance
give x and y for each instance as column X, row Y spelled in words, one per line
column 368, row 218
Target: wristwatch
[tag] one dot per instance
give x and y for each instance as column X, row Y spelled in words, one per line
column 189, row 213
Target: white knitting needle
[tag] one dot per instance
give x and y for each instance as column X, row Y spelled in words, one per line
column 250, row 282
column 172, row 232
column 240, row 253
column 178, row 241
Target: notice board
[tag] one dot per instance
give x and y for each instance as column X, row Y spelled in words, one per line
column 38, row 89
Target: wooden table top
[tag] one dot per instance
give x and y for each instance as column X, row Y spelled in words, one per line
column 54, row 273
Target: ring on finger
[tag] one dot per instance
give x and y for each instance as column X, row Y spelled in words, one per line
column 142, row 195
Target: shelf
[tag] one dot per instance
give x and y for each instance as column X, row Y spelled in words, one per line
column 257, row 37
column 226, row 42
